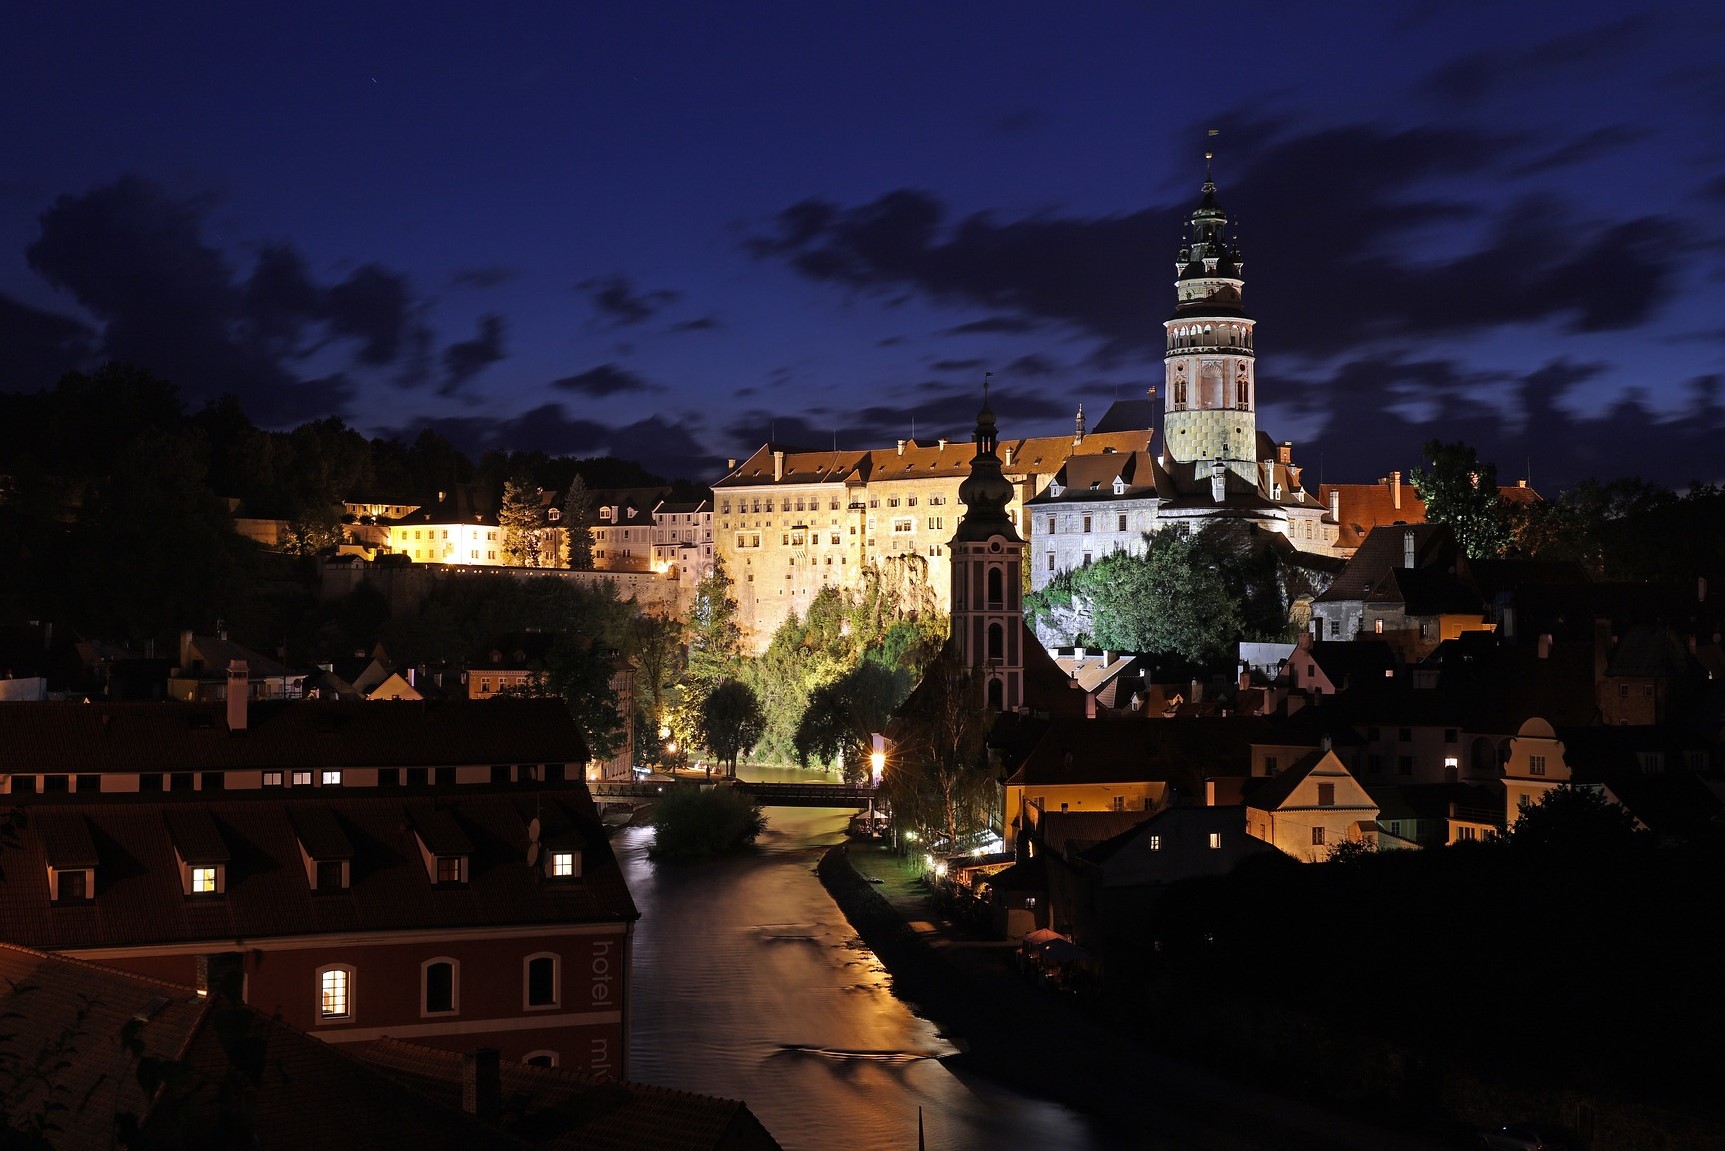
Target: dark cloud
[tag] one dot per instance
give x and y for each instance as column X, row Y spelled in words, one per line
column 699, row 324
column 955, row 365
column 663, row 446
column 1004, row 325
column 1029, row 366
column 616, row 302
column 462, row 361
column 135, row 258
column 935, row 410
column 40, row 346
column 1600, row 142
column 1468, row 81
column 605, row 380
column 1378, row 413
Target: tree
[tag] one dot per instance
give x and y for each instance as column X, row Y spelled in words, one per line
column 522, row 522
column 1171, row 600
column 690, row 822
column 1460, row 491
column 842, row 716
column 578, row 507
column 937, row 775
column 715, row 640
column 656, row 646
column 730, row 723
column 1575, row 821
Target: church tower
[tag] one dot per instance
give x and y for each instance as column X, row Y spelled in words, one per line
column 1210, row 410
column 987, row 569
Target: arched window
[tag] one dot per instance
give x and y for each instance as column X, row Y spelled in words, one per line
column 996, row 695
column 440, row 986
column 335, row 992
column 996, row 596
column 996, row 642
column 541, row 980
column 541, row 1059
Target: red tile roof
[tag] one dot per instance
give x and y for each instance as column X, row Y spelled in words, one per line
column 139, row 899
column 69, row 738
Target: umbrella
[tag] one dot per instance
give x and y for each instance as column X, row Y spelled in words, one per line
column 1040, row 936
column 1062, row 950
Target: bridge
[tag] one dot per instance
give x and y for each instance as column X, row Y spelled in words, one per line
column 765, row 794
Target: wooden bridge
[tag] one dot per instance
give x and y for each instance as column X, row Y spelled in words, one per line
column 765, row 794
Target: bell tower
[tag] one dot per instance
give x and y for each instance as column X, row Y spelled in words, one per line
column 1209, row 367
column 987, row 569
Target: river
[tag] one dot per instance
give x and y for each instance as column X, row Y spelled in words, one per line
column 749, row 984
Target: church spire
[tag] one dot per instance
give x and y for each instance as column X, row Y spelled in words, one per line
column 986, row 491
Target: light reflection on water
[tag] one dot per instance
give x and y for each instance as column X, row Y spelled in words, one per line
column 749, row 984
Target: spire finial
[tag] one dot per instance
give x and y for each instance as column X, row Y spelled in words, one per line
column 986, row 376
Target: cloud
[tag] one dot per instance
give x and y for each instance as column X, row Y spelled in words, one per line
column 462, row 361
column 664, row 446
column 616, row 302
column 605, row 380
column 483, row 278
column 936, row 410
column 955, row 365
column 40, row 346
column 699, row 324
column 136, row 260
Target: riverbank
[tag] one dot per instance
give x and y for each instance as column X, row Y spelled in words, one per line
column 1040, row 1043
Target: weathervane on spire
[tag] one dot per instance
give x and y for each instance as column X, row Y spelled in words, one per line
column 986, row 376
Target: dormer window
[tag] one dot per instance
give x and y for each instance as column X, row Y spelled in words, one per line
column 70, row 854
column 1119, row 487
column 200, row 852
column 204, row 880
column 564, row 865
column 74, row 885
column 451, row 869
column 1055, row 489
column 443, row 847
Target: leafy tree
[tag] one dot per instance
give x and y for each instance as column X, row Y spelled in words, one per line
column 656, row 647
column 937, row 774
column 1171, row 600
column 842, row 716
column 692, row 822
column 1575, row 821
column 578, row 511
column 1460, row 491
column 521, row 522
column 715, row 640
column 310, row 533
column 730, row 723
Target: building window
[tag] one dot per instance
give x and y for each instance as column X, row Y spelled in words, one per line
column 1378, row 626
column 541, row 1059
column 332, row 779
column 449, row 868
column 272, row 779
column 1269, row 765
column 1215, row 840
column 1120, row 803
column 1536, row 765
column 1405, row 734
column 564, row 865
column 1086, row 523
column 1405, row 764
column 439, row 986
column 1335, row 629
column 204, row 881
column 541, row 973
column 1155, row 843
column 1317, row 837
column 71, row 886
column 1326, row 795
column 302, row 779
column 1050, row 561
column 1122, row 526
column 335, row 993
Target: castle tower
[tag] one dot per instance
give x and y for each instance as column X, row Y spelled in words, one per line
column 987, row 567
column 1209, row 374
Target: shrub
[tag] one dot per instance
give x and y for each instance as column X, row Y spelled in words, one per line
column 693, row 822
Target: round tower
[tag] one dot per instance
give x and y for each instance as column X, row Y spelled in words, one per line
column 1209, row 373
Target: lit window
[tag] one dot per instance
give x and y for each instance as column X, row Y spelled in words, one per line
column 272, row 779
column 541, row 976
column 203, row 880
column 335, row 993
column 563, row 865
column 1317, row 837
column 332, row 779
column 302, row 779
column 1155, row 843
column 1215, row 840
column 449, row 869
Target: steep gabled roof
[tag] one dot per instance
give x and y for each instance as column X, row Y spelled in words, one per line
column 1180, row 751
column 1384, row 551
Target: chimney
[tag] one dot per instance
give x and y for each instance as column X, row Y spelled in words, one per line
column 239, row 680
column 1545, row 646
column 186, row 652
column 1396, row 492
column 779, row 466
column 731, row 464
column 1407, row 548
column 1285, row 453
column 411, row 676
column 1336, row 504
column 901, row 447
column 942, row 442
column 482, row 1084
column 1521, row 483
column 1008, row 460
column 1218, row 482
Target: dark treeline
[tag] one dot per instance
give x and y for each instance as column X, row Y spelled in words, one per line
column 116, row 506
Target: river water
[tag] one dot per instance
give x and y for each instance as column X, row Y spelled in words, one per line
column 749, row 984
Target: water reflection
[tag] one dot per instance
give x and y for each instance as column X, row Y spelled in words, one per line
column 749, row 984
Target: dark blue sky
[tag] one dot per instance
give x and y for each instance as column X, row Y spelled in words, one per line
column 665, row 231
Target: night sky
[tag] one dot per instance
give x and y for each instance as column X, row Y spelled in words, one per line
column 670, row 231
